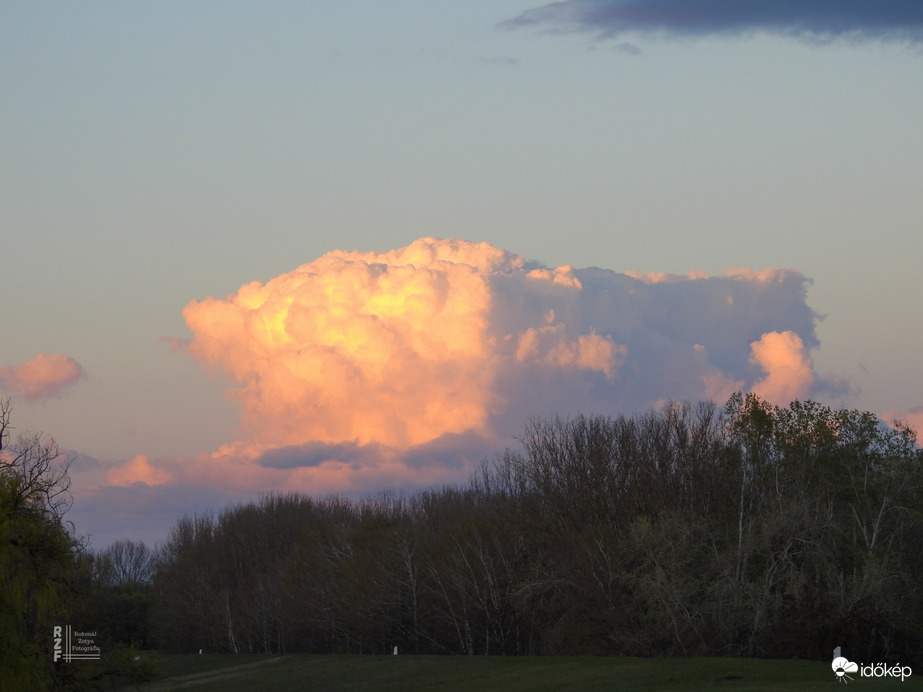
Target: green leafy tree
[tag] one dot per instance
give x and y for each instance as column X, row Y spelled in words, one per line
column 37, row 554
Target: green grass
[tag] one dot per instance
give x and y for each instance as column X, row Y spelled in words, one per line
column 243, row 673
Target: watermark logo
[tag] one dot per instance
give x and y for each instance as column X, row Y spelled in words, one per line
column 842, row 667
column 69, row 645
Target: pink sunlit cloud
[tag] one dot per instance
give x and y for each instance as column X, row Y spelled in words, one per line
column 912, row 417
column 788, row 367
column 43, row 377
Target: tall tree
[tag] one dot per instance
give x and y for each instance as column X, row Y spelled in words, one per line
column 37, row 554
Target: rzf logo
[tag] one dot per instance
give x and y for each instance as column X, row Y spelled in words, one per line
column 70, row 645
column 56, row 633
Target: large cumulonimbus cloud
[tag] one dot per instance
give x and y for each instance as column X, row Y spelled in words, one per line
column 815, row 20
column 363, row 369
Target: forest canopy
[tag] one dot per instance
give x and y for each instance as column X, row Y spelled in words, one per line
column 747, row 530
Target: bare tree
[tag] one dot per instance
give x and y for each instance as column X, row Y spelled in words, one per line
column 33, row 469
column 126, row 562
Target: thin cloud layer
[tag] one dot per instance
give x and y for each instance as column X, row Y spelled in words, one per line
column 43, row 377
column 360, row 371
column 815, row 20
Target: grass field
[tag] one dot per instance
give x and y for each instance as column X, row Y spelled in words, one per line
column 267, row 673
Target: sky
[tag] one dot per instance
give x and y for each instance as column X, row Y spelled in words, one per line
column 348, row 246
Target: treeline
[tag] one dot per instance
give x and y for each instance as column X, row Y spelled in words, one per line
column 751, row 530
column 747, row 530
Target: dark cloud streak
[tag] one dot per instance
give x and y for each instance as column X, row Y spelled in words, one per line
column 316, row 453
column 813, row 20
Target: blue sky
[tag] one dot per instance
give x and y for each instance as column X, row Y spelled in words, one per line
column 158, row 153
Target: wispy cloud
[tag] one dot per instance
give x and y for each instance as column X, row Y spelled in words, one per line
column 43, row 377
column 814, row 20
